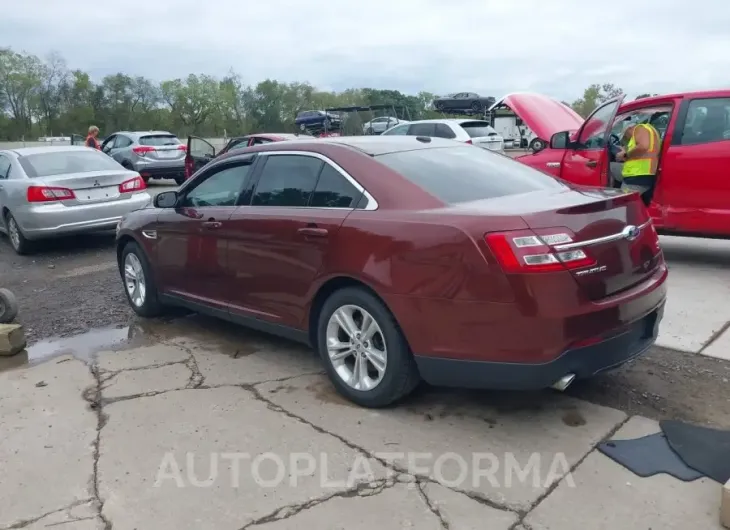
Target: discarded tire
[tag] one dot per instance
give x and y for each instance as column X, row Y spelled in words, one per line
column 8, row 306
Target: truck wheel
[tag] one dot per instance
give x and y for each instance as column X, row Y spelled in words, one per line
column 8, row 306
column 537, row 145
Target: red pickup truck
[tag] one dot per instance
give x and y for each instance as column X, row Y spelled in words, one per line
column 692, row 195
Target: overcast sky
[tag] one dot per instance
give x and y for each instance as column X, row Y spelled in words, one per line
column 556, row 47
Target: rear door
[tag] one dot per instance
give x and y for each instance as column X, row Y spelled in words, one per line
column 586, row 161
column 4, row 174
column 280, row 242
column 199, row 153
column 694, row 182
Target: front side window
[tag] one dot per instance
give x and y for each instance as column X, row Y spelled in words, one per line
column 708, row 120
column 287, row 180
column 334, row 190
column 462, row 173
column 4, row 167
column 593, row 133
column 222, row 188
column 400, row 130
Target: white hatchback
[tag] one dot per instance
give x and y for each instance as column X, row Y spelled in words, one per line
column 476, row 132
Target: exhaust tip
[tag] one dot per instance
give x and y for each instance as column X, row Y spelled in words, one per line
column 564, row 382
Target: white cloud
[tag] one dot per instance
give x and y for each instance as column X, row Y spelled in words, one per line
column 492, row 47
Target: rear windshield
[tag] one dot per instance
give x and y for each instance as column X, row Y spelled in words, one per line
column 464, row 174
column 477, row 129
column 63, row 162
column 157, row 140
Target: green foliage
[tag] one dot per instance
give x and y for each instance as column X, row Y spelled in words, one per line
column 42, row 97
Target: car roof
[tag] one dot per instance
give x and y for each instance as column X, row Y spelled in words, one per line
column 662, row 98
column 370, row 145
column 26, row 151
column 145, row 133
column 456, row 121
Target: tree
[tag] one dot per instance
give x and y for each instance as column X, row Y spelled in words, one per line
column 594, row 96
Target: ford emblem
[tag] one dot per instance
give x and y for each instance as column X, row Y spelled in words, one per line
column 631, row 232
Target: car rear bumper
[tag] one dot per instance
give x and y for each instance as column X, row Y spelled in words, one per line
column 525, row 337
column 157, row 170
column 50, row 220
column 582, row 362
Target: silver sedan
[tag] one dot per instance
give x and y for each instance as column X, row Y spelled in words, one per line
column 54, row 191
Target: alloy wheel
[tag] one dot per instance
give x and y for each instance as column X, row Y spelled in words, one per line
column 134, row 280
column 356, row 347
column 14, row 233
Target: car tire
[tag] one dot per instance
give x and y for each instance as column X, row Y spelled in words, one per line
column 537, row 145
column 21, row 245
column 439, row 107
column 476, row 106
column 139, row 282
column 302, row 127
column 8, row 306
column 399, row 374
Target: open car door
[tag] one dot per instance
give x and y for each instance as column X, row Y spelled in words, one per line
column 586, row 160
column 199, row 153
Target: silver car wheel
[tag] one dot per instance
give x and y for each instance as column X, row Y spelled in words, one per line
column 356, row 347
column 134, row 280
column 14, row 233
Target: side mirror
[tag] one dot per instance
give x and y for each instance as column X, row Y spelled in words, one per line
column 560, row 140
column 166, row 199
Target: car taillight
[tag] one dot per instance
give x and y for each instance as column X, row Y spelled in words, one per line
column 143, row 149
column 134, row 184
column 182, row 147
column 469, row 141
column 49, row 194
column 528, row 251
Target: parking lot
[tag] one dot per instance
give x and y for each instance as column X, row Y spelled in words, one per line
column 189, row 422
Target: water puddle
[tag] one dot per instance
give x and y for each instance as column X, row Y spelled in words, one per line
column 82, row 346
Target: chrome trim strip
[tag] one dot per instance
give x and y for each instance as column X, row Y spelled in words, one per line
column 372, row 203
column 597, row 241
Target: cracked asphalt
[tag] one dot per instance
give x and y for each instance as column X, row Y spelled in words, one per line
column 192, row 423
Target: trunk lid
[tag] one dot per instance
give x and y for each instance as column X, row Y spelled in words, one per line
column 609, row 226
column 92, row 186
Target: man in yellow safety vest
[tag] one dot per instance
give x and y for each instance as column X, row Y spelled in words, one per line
column 641, row 159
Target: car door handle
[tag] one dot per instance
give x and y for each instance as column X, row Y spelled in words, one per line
column 313, row 231
column 591, row 163
column 212, row 224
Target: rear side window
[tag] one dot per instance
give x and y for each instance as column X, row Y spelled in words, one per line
column 334, row 191
column 708, row 120
column 287, row 180
column 444, row 131
column 478, row 129
column 157, row 140
column 463, row 174
column 4, row 167
column 63, row 162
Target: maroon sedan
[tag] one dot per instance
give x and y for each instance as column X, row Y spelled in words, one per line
column 402, row 259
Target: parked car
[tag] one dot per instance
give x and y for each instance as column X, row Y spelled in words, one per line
column 476, row 132
column 463, row 102
column 381, row 124
column 405, row 258
column 54, row 191
column 317, row 118
column 692, row 194
column 153, row 154
column 200, row 151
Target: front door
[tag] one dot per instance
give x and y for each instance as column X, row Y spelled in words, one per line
column 280, row 242
column 694, row 181
column 192, row 237
column 200, row 152
column 586, row 160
